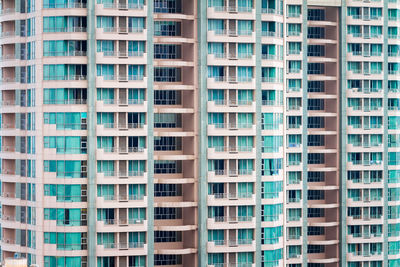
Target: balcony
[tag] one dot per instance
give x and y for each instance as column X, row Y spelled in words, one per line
column 64, row 29
column 231, row 245
column 65, row 54
column 65, row 5
column 123, row 6
column 65, row 78
column 121, row 222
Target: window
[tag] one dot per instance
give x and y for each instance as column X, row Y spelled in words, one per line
column 167, row 120
column 61, row 96
column 167, row 28
column 271, row 189
column 167, row 213
column 167, row 166
column 167, row 236
column 64, row 48
column 167, row 74
column 315, row 230
column 167, row 51
column 167, row 190
column 294, row 11
column 64, row 24
column 316, row 14
column 315, row 104
column 315, row 68
column 167, row 143
column 316, row 32
column 315, row 140
column 315, row 249
column 315, row 50
column 271, row 235
column 315, row 194
column 316, row 122
column 167, row 259
column 316, row 158
column 167, row 6
column 64, row 4
column 315, row 212
column 167, row 97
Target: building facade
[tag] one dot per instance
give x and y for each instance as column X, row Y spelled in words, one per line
column 220, row 133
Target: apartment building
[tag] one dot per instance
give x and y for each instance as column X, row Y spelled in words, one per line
column 219, row 133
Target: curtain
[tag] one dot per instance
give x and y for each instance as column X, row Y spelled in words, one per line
column 245, row 143
column 271, row 144
column 105, row 142
column 106, row 167
column 270, row 50
column 216, row 142
column 106, row 118
column 135, row 24
column 136, row 48
column 106, row 94
column 271, row 166
column 245, row 4
column 245, row 74
column 245, row 189
column 245, row 166
column 105, row 22
column 394, row 176
column 272, row 257
column 215, row 258
column 245, row 257
column 136, row 191
column 216, row 72
column 294, row 10
column 216, row 236
column 354, row 29
column 271, row 121
column 245, row 50
column 135, row 214
column 245, row 120
column 271, row 189
column 216, row 119
column 106, row 46
column 272, row 234
column 245, row 27
column 216, row 48
column 136, row 167
column 376, row 30
column 216, row 25
column 271, row 212
column 106, row 191
column 245, row 236
column 136, row 96
column 216, row 95
column 245, row 212
column 353, row 11
column 136, row 72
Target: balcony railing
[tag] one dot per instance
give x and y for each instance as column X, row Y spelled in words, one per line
column 65, row 5
column 123, row 53
column 233, row 219
column 65, row 54
column 65, row 102
column 64, row 29
column 123, row 6
column 123, row 245
column 7, row 11
column 64, row 77
column 233, row 195
column 233, row 148
column 269, row 33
